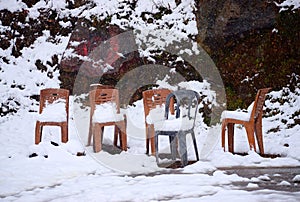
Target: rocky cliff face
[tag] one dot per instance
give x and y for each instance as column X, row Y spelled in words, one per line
column 220, row 21
column 252, row 43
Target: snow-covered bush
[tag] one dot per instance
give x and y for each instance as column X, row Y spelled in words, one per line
column 282, row 107
column 33, row 38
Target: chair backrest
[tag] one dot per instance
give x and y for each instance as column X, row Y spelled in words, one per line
column 50, row 95
column 153, row 98
column 100, row 96
column 185, row 99
column 259, row 103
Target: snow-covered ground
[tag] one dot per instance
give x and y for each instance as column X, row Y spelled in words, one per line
column 58, row 174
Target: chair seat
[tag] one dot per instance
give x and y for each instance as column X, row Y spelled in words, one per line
column 107, row 112
column 173, row 125
column 54, row 112
column 243, row 116
column 157, row 114
column 238, row 115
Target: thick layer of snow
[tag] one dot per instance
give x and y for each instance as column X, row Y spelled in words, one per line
column 174, row 124
column 243, row 116
column 68, row 177
column 55, row 112
column 155, row 115
column 12, row 5
column 107, row 112
column 239, row 115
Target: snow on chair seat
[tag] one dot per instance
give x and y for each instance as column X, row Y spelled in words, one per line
column 157, row 118
column 107, row 112
column 240, row 115
column 54, row 111
column 173, row 124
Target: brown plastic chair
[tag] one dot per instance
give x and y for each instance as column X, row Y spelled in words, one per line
column 49, row 96
column 151, row 99
column 94, row 87
column 252, row 123
column 98, row 97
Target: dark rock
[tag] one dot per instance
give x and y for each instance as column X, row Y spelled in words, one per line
column 222, row 20
column 54, row 144
column 40, row 66
column 33, row 155
column 81, row 153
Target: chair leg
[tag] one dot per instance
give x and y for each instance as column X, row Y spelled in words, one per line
column 148, row 132
column 124, row 134
column 223, row 135
column 124, row 140
column 172, row 140
column 116, row 134
column 121, row 130
column 147, row 140
column 195, row 145
column 230, row 127
column 64, row 133
column 259, row 136
column 182, row 149
column 38, row 133
column 250, row 136
column 97, row 137
column 156, row 147
column 152, row 141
